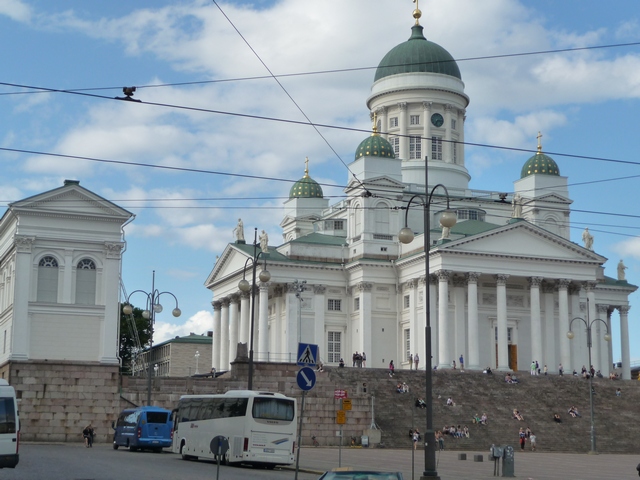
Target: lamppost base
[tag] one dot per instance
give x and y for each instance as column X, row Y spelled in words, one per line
column 428, row 477
column 593, row 452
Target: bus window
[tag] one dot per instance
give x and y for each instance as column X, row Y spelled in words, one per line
column 273, row 409
column 7, row 415
column 236, row 407
column 157, row 417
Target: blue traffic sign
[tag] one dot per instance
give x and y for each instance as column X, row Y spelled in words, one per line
column 307, row 354
column 306, row 378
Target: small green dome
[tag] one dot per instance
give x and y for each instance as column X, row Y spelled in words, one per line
column 540, row 164
column 417, row 55
column 306, row 187
column 375, row 146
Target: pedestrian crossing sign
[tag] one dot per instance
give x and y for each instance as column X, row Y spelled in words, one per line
column 307, row 355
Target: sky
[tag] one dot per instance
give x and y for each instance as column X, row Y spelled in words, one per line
column 223, row 139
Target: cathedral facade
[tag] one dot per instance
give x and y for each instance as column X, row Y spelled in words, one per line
column 504, row 285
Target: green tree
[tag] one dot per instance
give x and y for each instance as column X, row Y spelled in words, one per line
column 128, row 344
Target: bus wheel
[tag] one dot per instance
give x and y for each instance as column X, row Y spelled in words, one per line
column 115, row 446
column 132, row 448
column 184, row 457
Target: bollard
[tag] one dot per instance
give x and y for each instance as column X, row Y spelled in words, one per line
column 462, row 456
column 478, row 458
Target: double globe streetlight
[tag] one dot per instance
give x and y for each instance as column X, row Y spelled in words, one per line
column 448, row 219
column 245, row 286
column 589, row 324
column 153, row 306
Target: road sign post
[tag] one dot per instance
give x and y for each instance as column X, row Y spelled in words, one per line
column 306, row 378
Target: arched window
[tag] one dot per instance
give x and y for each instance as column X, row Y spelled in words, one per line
column 48, row 280
column 86, row 282
column 382, row 218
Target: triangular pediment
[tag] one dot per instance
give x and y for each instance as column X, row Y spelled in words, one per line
column 549, row 197
column 382, row 182
column 68, row 201
column 524, row 240
column 232, row 261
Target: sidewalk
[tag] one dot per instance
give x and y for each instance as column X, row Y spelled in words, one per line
column 528, row 465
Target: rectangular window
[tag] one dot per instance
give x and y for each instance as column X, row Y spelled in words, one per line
column 393, row 122
column 334, row 345
column 334, row 304
column 414, row 120
column 407, row 301
column 415, row 148
column 407, row 344
column 453, row 124
column 436, row 148
column 395, row 143
column 338, row 224
column 356, row 304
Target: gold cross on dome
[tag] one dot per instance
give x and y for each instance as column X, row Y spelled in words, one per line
column 539, row 137
column 306, row 166
column 417, row 13
column 375, row 123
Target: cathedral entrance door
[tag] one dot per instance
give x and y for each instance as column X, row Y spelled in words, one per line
column 513, row 357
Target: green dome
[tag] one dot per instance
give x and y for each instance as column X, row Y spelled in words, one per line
column 417, row 55
column 306, row 187
column 540, row 163
column 375, row 146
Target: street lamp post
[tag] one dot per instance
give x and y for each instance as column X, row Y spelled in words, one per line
column 244, row 286
column 589, row 324
column 152, row 307
column 197, row 355
column 447, row 219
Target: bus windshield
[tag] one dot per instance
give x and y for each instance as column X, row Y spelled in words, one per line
column 273, row 409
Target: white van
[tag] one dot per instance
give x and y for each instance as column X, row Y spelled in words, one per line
column 9, row 426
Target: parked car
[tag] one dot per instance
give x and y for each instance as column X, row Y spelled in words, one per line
column 360, row 475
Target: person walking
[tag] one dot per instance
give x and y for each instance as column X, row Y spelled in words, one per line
column 532, row 440
column 392, row 368
column 364, row 360
column 461, row 363
column 523, row 438
column 416, row 360
column 560, row 370
column 533, row 367
column 87, row 434
column 410, row 361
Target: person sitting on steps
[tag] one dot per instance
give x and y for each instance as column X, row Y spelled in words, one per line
column 450, row 402
column 556, row 418
column 517, row 415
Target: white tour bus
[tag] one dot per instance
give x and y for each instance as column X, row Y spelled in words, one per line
column 9, row 426
column 259, row 426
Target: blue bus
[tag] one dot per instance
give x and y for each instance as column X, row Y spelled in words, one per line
column 143, row 428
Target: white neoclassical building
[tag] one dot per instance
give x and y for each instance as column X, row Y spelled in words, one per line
column 504, row 283
column 60, row 262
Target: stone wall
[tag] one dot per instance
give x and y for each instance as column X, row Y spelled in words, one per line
column 58, row 399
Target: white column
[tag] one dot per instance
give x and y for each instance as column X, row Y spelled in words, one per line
column 463, row 118
column 426, row 132
column 549, row 329
column 234, row 320
column 291, row 321
column 474, row 332
column 435, row 329
column 410, row 289
column 501, row 298
column 21, row 323
column 279, row 326
column 443, row 320
column 111, row 288
column 245, row 314
column 595, row 329
column 263, row 322
column 603, row 313
column 447, row 147
column 67, row 277
column 624, row 342
column 364, row 324
column 215, row 338
column 402, row 123
column 563, row 324
column 224, row 335
column 421, row 321
column 460, row 330
column 536, row 324
column 319, row 335
column 384, row 123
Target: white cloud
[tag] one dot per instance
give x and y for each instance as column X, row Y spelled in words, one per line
column 16, row 10
column 199, row 324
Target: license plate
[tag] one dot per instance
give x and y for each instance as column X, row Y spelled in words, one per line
column 269, row 450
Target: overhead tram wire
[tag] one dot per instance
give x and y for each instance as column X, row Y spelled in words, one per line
column 339, row 70
column 353, row 175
